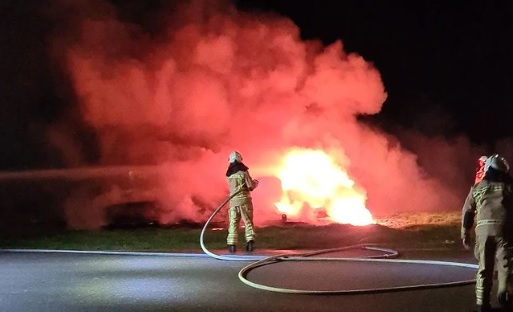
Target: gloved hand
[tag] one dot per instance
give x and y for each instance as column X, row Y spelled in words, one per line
column 466, row 242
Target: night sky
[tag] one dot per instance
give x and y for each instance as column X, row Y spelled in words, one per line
column 446, row 66
column 449, row 60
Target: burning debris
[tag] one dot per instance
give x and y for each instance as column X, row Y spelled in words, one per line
column 312, row 180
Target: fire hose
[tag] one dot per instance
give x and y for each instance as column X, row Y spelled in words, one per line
column 386, row 257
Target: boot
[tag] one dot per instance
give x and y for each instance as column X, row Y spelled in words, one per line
column 505, row 301
column 249, row 246
column 483, row 308
column 232, row 248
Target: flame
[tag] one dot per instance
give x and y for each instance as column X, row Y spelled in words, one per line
column 311, row 180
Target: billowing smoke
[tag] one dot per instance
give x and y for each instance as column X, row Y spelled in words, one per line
column 213, row 79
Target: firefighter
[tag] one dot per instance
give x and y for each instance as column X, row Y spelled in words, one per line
column 480, row 169
column 490, row 202
column 241, row 205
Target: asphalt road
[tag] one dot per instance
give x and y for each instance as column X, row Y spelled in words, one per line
column 45, row 281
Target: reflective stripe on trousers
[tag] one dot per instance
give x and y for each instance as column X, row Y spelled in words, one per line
column 235, row 213
column 488, row 250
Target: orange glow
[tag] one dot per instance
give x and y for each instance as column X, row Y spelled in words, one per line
column 312, row 180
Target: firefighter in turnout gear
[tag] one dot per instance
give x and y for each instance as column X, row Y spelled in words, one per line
column 241, row 205
column 480, row 169
column 490, row 202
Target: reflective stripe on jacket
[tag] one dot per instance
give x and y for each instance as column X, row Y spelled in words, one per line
column 491, row 203
column 237, row 180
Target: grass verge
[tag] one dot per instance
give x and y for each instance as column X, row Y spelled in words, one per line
column 401, row 231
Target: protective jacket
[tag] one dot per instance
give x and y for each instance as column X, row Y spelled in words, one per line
column 490, row 202
column 240, row 180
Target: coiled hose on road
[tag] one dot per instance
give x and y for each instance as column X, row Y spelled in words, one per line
column 383, row 258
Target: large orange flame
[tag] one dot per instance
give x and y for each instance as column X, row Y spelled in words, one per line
column 312, row 180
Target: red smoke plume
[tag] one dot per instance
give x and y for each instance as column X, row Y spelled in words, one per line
column 216, row 80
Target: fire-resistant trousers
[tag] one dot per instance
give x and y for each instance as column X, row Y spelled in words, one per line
column 235, row 213
column 491, row 250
